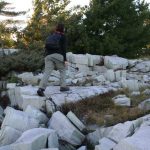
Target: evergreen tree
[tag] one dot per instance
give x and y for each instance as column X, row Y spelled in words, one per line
column 7, row 26
column 46, row 14
column 117, row 27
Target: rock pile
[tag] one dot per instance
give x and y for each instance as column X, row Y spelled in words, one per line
column 32, row 122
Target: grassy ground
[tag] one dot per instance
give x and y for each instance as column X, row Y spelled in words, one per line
column 100, row 110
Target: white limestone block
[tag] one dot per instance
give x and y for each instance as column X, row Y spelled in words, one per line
column 82, row 67
column 122, row 100
column 8, row 135
column 145, row 105
column 11, row 85
column 12, row 97
column 36, row 101
column 33, row 139
column 19, row 120
column 53, row 140
column 7, row 147
column 101, row 79
column 113, row 62
column 79, row 59
column 138, row 141
column 28, row 78
column 82, row 148
column 120, row 74
column 100, row 69
column 110, row 75
column 121, row 131
column 50, row 149
column 65, row 129
column 37, row 114
column 132, row 85
column 105, row 144
column 74, row 119
column 143, row 66
column 95, row 136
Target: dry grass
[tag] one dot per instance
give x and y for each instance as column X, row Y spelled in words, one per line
column 101, row 110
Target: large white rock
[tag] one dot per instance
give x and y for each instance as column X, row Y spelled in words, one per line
column 94, row 59
column 139, row 141
column 19, row 120
column 82, row 148
column 11, row 85
column 37, row 114
column 121, row 131
column 132, row 85
column 122, row 100
column 8, row 135
column 79, row 59
column 120, row 74
column 53, row 140
column 95, row 136
column 50, row 149
column 101, row 79
column 143, row 66
column 28, row 78
column 145, row 105
column 74, row 119
column 36, row 101
column 7, row 147
column 33, row 139
column 105, row 144
column 100, row 69
column 113, row 62
column 65, row 129
column 110, row 75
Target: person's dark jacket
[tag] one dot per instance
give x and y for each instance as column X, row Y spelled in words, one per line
column 61, row 50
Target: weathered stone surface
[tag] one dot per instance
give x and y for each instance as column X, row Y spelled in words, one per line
column 143, row 66
column 28, row 78
column 120, row 74
column 100, row 69
column 37, row 114
column 147, row 92
column 110, row 75
column 139, row 141
column 122, row 100
column 36, row 101
column 65, row 129
column 32, row 139
column 95, row 136
column 79, row 59
column 50, row 149
column 53, row 140
column 73, row 118
column 7, row 147
column 105, row 144
column 19, row 120
column 145, row 105
column 11, row 85
column 82, row 148
column 8, row 135
column 113, row 62
column 121, row 131
column 132, row 85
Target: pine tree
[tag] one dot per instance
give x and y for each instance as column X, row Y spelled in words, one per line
column 46, row 14
column 117, row 27
column 6, row 26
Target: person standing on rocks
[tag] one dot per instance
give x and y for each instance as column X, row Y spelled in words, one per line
column 55, row 49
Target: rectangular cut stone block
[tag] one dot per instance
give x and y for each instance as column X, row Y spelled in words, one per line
column 73, row 118
column 65, row 129
column 138, row 141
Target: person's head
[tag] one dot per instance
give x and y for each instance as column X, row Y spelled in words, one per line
column 60, row 27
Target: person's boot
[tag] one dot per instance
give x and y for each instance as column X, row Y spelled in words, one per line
column 40, row 92
column 64, row 88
